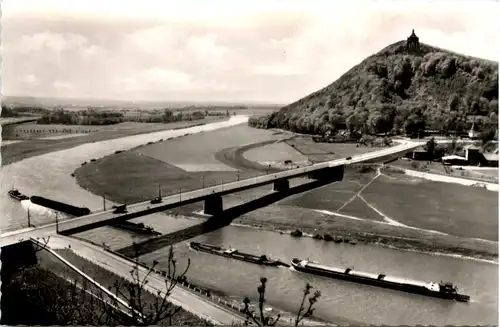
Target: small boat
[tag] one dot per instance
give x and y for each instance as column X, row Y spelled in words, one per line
column 439, row 290
column 235, row 254
column 15, row 194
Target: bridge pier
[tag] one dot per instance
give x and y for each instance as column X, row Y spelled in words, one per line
column 281, row 185
column 333, row 174
column 213, row 205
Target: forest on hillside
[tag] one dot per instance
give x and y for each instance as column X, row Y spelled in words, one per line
column 398, row 92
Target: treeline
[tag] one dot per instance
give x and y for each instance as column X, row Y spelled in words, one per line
column 391, row 119
column 16, row 111
column 96, row 117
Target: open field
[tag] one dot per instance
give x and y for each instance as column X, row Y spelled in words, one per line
column 450, row 208
column 318, row 152
column 33, row 147
column 276, row 154
column 484, row 175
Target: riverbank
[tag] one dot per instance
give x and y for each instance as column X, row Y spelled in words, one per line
column 354, row 232
column 29, row 147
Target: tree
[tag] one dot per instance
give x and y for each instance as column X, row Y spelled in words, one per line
column 353, row 123
column 414, row 124
column 260, row 319
column 431, row 148
column 454, row 102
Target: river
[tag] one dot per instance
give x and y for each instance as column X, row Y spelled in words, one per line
column 343, row 302
column 49, row 175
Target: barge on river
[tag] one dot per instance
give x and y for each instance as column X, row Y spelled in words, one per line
column 59, row 206
column 235, row 254
column 441, row 290
column 15, row 194
column 139, row 228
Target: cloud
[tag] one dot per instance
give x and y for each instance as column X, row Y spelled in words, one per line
column 62, row 86
column 52, row 42
column 259, row 50
column 29, row 80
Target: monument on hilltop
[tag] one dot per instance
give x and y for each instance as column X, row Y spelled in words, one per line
column 412, row 43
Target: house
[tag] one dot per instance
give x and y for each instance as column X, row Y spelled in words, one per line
column 418, row 154
column 454, row 160
column 473, row 155
column 491, row 159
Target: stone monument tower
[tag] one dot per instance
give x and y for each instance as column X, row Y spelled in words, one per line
column 412, row 44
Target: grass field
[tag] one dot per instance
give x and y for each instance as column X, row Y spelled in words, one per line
column 34, row 147
column 276, row 154
column 455, row 209
column 449, row 208
column 489, row 175
column 318, row 152
column 143, row 175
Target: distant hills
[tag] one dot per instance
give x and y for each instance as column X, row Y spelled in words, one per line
column 50, row 103
column 400, row 89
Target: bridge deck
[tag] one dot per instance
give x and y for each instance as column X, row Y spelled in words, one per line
column 144, row 208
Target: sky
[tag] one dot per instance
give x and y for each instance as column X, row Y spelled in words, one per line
column 271, row 51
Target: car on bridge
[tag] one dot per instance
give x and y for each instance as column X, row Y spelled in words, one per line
column 156, row 200
column 120, row 209
column 348, row 158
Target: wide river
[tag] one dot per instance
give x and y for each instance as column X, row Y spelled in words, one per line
column 344, row 302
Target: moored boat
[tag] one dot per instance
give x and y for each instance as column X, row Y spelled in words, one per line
column 136, row 227
column 440, row 290
column 15, row 194
column 59, row 206
column 236, row 254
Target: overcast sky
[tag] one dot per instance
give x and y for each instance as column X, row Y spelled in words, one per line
column 210, row 50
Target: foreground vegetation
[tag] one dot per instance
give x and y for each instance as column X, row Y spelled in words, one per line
column 53, row 298
column 393, row 91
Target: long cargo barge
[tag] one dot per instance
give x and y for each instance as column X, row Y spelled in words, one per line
column 139, row 228
column 235, row 254
column 440, row 290
column 59, row 206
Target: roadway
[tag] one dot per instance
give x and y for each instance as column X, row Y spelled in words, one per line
column 143, row 208
column 179, row 296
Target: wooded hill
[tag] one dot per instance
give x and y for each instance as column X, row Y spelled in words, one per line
column 400, row 91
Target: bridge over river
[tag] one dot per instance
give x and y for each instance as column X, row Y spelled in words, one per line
column 329, row 171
